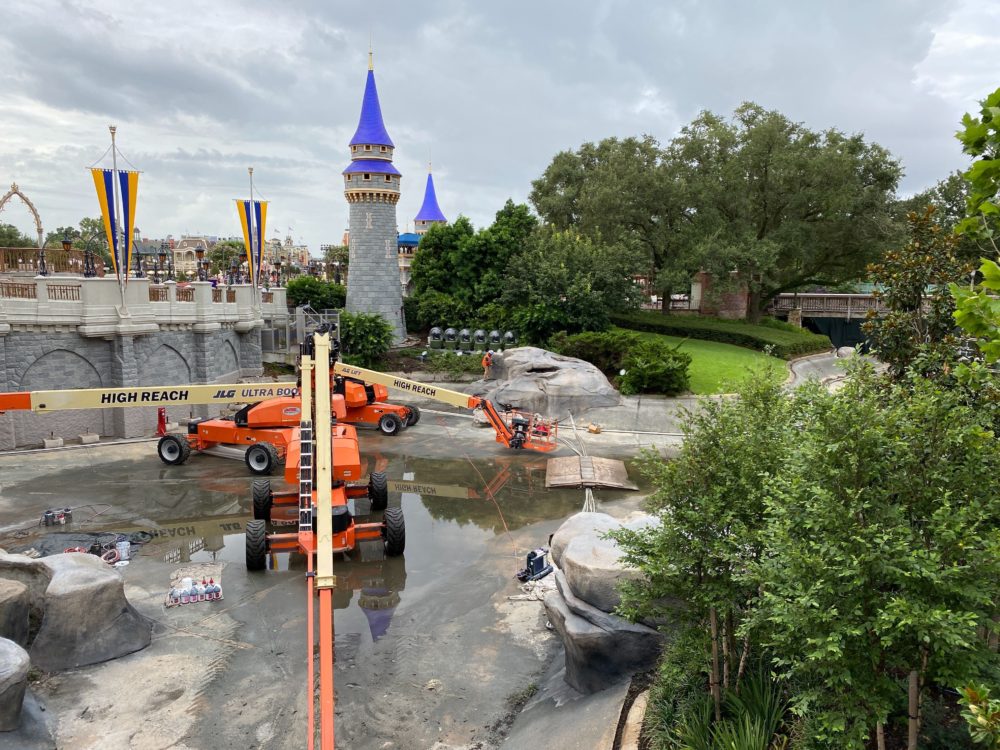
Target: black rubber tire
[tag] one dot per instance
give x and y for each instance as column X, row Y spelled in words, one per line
column 256, row 541
column 394, row 532
column 261, row 458
column 173, row 449
column 263, row 499
column 414, row 415
column 378, row 490
column 390, row 424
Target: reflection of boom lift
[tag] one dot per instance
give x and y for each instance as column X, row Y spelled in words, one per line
column 513, row 428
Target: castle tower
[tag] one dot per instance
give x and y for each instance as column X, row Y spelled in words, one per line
column 429, row 213
column 371, row 186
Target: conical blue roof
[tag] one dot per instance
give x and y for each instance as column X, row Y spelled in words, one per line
column 430, row 211
column 371, row 129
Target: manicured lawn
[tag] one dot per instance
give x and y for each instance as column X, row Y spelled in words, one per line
column 715, row 367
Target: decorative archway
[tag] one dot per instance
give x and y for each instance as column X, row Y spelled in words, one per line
column 15, row 190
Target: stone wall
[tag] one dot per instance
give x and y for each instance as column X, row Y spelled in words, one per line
column 374, row 283
column 32, row 360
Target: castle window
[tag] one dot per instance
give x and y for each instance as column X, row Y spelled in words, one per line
column 388, row 178
column 368, row 148
column 367, row 176
column 383, row 149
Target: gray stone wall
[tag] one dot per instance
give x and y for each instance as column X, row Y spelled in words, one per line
column 51, row 360
column 374, row 283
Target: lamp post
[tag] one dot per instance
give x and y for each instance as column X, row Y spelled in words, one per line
column 200, row 255
column 139, row 272
column 233, row 269
column 67, row 244
column 277, row 271
column 42, row 268
column 336, row 272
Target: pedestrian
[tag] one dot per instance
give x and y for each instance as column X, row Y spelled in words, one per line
column 487, row 364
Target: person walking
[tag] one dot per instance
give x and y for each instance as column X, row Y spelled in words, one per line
column 487, row 364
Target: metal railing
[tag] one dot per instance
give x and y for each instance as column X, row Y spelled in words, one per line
column 185, row 295
column 17, row 290
column 158, row 294
column 64, row 292
column 829, row 305
column 57, row 260
column 216, row 294
column 231, row 295
column 267, row 297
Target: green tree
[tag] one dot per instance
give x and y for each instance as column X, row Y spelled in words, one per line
column 710, row 503
column 621, row 191
column 564, row 281
column 883, row 554
column 365, row 339
column 949, row 197
column 912, row 282
column 978, row 309
column 10, row 236
column 55, row 238
column 318, row 294
column 223, row 253
column 336, row 254
column 440, row 264
column 94, row 237
column 781, row 205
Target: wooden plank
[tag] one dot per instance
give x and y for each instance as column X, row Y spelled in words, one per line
column 587, row 471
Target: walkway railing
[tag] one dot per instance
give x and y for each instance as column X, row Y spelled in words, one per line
column 847, row 306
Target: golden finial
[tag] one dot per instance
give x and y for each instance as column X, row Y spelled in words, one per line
column 371, row 64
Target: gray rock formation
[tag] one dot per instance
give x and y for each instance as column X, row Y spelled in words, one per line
column 14, row 601
column 593, row 569
column 14, row 663
column 32, row 573
column 598, row 523
column 537, row 380
column 600, row 648
column 87, row 617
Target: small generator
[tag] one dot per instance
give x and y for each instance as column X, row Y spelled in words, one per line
column 536, row 565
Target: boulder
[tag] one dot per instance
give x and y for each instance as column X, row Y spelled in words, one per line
column 537, row 380
column 845, row 351
column 34, row 574
column 577, row 524
column 14, row 663
column 14, row 607
column 601, row 648
column 87, row 617
column 594, row 569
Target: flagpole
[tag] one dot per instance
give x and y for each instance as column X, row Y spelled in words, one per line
column 116, row 209
column 254, row 263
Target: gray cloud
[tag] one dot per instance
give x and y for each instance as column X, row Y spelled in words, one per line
column 202, row 90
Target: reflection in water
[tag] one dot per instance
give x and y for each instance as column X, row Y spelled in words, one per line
column 197, row 513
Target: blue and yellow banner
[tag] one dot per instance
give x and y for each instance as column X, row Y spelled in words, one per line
column 253, row 218
column 128, row 182
column 129, row 186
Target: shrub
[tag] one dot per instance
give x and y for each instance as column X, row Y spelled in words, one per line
column 784, row 343
column 364, row 338
column 653, row 367
column 439, row 309
column 319, row 295
column 606, row 351
column 412, row 315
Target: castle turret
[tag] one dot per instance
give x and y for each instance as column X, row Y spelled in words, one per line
column 371, row 186
column 430, row 213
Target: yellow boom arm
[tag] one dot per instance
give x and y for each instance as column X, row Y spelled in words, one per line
column 455, row 398
column 162, row 395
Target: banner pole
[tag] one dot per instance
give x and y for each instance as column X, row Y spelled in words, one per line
column 116, row 210
column 254, row 255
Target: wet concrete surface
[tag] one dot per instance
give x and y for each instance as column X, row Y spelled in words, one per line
column 429, row 646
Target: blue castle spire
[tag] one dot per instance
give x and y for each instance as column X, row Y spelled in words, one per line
column 371, row 129
column 430, row 211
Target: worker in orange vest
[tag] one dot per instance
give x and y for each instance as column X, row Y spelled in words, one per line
column 487, row 364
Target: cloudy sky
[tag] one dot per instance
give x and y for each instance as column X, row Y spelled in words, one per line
column 202, row 90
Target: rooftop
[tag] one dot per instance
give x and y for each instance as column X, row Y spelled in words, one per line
column 371, row 129
column 430, row 211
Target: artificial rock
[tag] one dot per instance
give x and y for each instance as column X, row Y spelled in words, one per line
column 14, row 663
column 14, row 608
column 537, row 380
column 601, row 648
column 87, row 618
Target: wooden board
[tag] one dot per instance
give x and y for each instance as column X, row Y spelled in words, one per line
column 587, row 471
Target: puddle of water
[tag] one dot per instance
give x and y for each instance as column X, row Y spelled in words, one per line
column 197, row 513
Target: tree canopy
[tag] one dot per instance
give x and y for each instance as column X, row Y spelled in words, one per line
column 782, row 205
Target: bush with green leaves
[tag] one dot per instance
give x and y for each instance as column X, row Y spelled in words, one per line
column 318, row 294
column 440, row 310
column 364, row 339
column 412, row 315
column 784, row 341
column 654, row 367
column 606, row 350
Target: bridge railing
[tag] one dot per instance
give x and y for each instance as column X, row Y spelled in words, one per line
column 828, row 305
column 95, row 306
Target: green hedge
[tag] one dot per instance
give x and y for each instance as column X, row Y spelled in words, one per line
column 783, row 341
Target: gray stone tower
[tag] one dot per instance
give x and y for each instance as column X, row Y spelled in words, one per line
column 371, row 186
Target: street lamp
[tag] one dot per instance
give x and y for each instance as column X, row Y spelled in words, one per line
column 233, row 269
column 42, row 269
column 200, row 255
column 277, row 270
column 336, row 272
